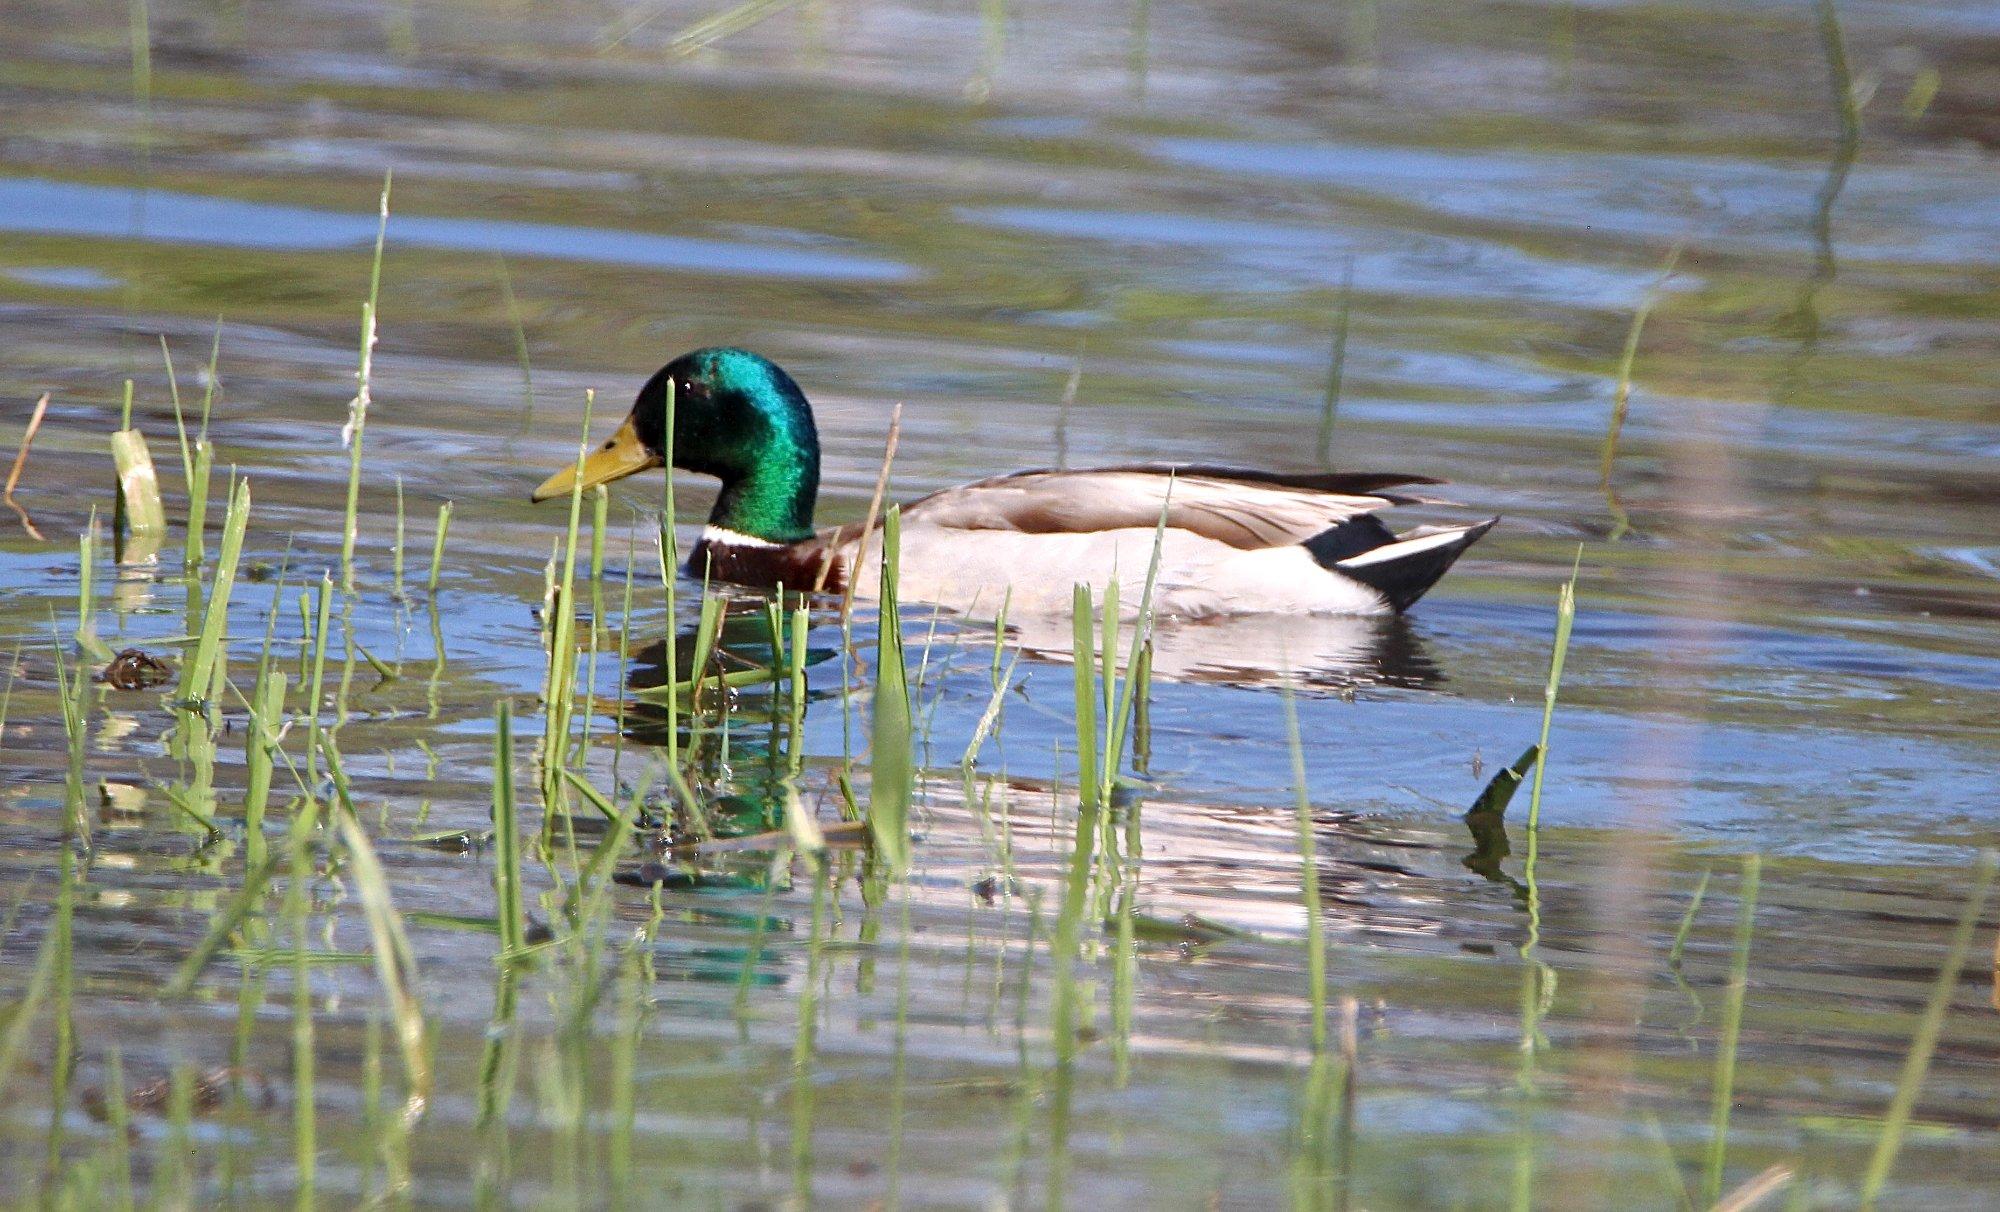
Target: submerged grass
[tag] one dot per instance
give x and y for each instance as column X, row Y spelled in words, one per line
column 1621, row 396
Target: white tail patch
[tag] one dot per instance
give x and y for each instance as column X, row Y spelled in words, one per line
column 1403, row 548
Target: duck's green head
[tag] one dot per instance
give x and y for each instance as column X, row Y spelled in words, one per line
column 738, row 417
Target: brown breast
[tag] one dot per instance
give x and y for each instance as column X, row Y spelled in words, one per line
column 795, row 565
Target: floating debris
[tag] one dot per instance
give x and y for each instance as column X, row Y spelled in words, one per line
column 135, row 669
column 209, row 1090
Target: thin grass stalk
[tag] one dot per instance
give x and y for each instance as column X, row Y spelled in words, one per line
column 507, row 838
column 1917, row 1061
column 195, row 552
column 624, row 652
column 600, row 525
column 1538, row 979
column 305, row 1130
column 1308, row 874
column 192, row 555
column 204, row 456
column 7, row 696
column 1621, row 395
column 70, row 685
column 21, row 461
column 562, row 643
column 867, row 522
column 395, row 962
column 899, row 1078
column 86, row 592
column 600, row 522
column 1076, row 887
column 1125, row 974
column 713, row 28
column 437, row 549
column 1107, row 679
column 14, row 1039
column 198, row 674
column 625, row 1078
column 62, row 1060
column 357, row 415
column 796, row 661
column 1558, row 653
column 1138, row 667
column 209, row 384
column 1350, row 1082
column 1142, row 713
column 498, row 1063
column 754, row 953
column 1086, row 696
column 670, row 560
column 1839, row 75
column 1732, row 1026
column 707, row 626
column 805, row 1047
column 117, row 1118
column 592, row 879
column 173, row 1181
column 260, row 743
column 315, row 694
column 225, row 923
column 371, row 1102
column 520, row 345
column 1337, row 365
column 396, row 574
column 1758, row 1188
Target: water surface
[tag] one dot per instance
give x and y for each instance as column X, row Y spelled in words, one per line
column 1784, row 645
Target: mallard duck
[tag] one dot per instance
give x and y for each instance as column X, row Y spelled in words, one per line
column 1235, row 541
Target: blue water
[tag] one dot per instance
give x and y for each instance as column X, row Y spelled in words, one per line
column 35, row 206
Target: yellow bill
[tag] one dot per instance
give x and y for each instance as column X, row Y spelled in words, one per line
column 622, row 456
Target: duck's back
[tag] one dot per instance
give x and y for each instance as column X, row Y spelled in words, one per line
column 1234, row 542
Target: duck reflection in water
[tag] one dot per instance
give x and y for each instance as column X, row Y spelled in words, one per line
column 737, row 730
column 1326, row 653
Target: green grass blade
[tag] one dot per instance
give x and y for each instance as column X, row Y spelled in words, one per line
column 1308, row 875
column 507, row 836
column 395, row 962
column 1917, row 1061
column 1732, row 1026
column 892, row 774
column 1558, row 653
column 199, row 671
column 437, row 549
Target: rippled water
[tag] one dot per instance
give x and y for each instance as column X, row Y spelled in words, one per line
column 1068, row 235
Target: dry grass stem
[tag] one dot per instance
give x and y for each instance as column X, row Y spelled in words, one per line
column 868, row 523
column 20, row 461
